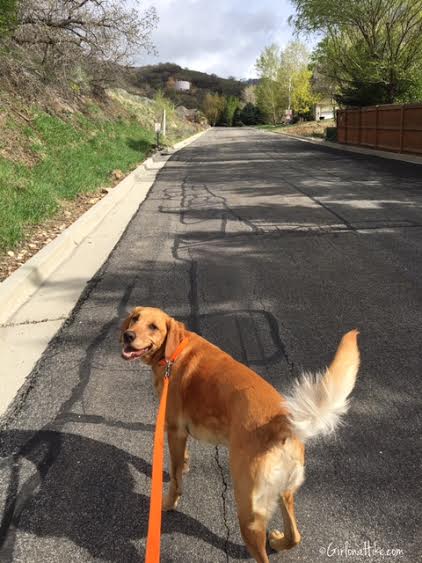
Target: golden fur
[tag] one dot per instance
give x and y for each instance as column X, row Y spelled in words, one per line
column 215, row 398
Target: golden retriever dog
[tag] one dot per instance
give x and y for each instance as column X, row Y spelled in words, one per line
column 214, row 398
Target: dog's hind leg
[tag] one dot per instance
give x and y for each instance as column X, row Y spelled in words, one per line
column 254, row 532
column 291, row 536
column 253, row 523
column 186, row 460
column 177, row 448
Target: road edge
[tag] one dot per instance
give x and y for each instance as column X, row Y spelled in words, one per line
column 409, row 158
column 41, row 297
column 28, row 278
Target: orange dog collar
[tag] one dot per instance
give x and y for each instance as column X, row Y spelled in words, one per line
column 168, row 362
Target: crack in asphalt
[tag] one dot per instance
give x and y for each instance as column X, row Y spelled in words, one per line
column 16, row 499
column 97, row 419
column 45, row 445
column 241, row 219
column 224, row 502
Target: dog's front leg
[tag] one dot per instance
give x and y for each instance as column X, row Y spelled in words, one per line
column 177, row 447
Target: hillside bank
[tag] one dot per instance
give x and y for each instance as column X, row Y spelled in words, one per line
column 59, row 157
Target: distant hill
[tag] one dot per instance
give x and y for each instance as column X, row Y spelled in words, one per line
column 149, row 79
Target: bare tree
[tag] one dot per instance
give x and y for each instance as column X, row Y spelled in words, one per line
column 66, row 33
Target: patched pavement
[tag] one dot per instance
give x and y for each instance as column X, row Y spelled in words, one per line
column 271, row 248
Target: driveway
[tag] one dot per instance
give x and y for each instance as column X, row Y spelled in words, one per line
column 271, row 248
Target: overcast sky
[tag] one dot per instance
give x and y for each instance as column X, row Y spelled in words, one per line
column 220, row 36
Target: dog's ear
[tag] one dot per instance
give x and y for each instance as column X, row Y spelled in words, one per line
column 175, row 335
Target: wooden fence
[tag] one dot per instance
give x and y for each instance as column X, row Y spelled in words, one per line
column 395, row 127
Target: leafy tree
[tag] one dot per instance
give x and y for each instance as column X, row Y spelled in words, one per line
column 285, row 81
column 251, row 115
column 237, row 122
column 270, row 94
column 371, row 50
column 295, row 61
column 213, row 107
column 229, row 111
column 302, row 97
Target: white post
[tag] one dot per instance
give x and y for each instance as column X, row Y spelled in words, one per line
column 157, row 129
column 164, row 123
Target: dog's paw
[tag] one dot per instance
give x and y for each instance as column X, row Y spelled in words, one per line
column 186, row 467
column 170, row 503
column 278, row 541
column 274, row 539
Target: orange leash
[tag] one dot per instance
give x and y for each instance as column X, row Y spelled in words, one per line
column 156, row 504
column 155, row 508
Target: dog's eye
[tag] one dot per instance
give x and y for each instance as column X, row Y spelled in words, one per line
column 135, row 319
column 152, row 326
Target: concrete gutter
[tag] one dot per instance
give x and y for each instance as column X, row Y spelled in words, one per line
column 37, row 298
column 412, row 158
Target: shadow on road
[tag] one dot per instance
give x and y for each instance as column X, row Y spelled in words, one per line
column 230, row 223
column 87, row 508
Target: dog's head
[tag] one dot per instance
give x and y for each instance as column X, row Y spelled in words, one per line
column 147, row 331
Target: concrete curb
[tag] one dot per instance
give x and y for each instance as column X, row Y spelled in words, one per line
column 411, row 158
column 189, row 140
column 25, row 281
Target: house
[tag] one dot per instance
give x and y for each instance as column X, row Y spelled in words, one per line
column 325, row 109
column 182, row 86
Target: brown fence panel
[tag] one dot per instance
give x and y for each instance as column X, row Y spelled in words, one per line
column 341, row 126
column 369, row 127
column 394, row 127
column 389, row 128
column 412, row 129
column 353, row 127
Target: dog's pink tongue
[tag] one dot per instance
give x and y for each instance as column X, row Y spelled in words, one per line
column 129, row 353
column 132, row 354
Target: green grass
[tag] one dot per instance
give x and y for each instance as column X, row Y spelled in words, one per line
column 76, row 156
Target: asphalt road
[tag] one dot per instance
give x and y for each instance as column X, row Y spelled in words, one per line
column 271, row 248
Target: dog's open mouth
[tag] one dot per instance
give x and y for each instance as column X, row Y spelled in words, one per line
column 130, row 353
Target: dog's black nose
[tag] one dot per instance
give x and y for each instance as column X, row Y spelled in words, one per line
column 129, row 336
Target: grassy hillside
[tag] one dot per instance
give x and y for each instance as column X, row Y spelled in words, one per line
column 150, row 79
column 48, row 158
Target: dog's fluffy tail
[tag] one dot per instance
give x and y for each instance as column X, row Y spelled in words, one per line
column 318, row 401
